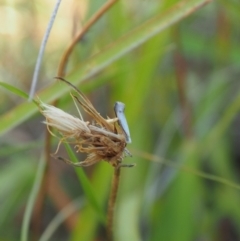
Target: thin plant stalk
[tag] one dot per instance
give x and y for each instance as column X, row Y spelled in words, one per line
column 112, row 202
column 151, row 157
column 42, row 49
column 38, row 210
column 88, row 25
column 181, row 73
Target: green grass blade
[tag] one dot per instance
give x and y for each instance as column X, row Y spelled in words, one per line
column 14, row 90
column 31, row 200
column 88, row 222
column 99, row 62
column 86, row 185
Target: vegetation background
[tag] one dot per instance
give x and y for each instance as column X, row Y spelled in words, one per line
column 181, row 88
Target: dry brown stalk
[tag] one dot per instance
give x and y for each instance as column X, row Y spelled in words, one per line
column 112, row 202
column 91, row 21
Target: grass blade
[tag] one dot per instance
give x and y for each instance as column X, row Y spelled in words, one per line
column 31, row 200
column 59, row 218
column 86, row 185
column 14, row 90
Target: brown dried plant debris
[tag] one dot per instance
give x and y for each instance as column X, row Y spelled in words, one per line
column 104, row 139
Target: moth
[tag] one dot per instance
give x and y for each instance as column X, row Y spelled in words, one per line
column 102, row 139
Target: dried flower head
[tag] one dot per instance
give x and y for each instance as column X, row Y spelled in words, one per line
column 104, row 139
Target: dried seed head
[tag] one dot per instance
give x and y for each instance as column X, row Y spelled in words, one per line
column 103, row 140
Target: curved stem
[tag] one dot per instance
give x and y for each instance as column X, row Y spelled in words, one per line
column 38, row 210
column 112, row 202
column 92, row 20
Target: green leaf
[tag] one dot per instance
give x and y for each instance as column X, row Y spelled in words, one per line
column 88, row 220
column 15, row 91
column 86, row 185
column 32, row 199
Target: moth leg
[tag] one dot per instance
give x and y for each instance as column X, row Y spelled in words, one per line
column 76, row 164
column 127, row 152
column 126, row 165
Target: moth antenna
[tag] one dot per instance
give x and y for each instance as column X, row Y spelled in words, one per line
column 67, row 82
column 95, row 115
column 79, row 112
column 126, row 165
column 85, row 99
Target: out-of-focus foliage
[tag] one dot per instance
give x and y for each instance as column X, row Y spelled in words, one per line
column 181, row 91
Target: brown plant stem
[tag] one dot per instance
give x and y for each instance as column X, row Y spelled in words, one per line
column 38, row 210
column 91, row 21
column 180, row 66
column 181, row 73
column 60, row 199
column 112, row 202
column 51, row 186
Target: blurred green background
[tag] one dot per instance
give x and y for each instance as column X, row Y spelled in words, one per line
column 182, row 94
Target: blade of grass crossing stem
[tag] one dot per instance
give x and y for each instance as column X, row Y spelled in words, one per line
column 88, row 219
column 15, row 91
column 110, row 54
column 32, row 199
column 86, row 185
